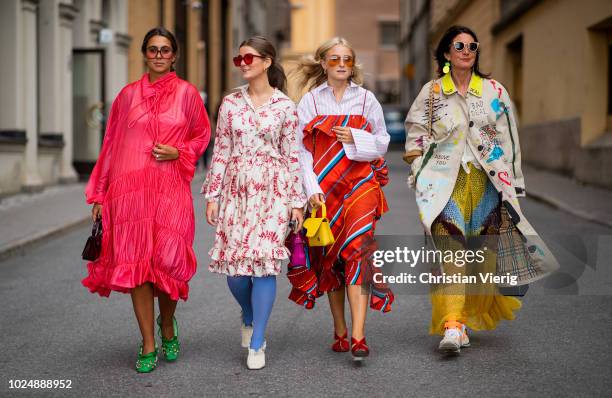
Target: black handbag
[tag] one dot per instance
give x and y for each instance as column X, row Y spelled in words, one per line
column 93, row 246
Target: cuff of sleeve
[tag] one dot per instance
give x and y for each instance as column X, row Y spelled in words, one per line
column 212, row 198
column 311, row 186
column 361, row 140
column 298, row 202
column 350, row 150
column 186, row 161
column 94, row 200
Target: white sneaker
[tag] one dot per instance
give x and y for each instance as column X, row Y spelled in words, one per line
column 465, row 340
column 246, row 332
column 256, row 359
column 455, row 338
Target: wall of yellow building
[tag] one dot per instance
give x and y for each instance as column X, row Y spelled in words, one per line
column 312, row 22
column 564, row 63
column 478, row 15
column 142, row 16
column 565, row 70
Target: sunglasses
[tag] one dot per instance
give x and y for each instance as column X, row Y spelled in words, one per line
column 165, row 52
column 247, row 58
column 334, row 60
column 472, row 47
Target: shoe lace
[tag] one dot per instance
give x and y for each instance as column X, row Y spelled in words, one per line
column 454, row 333
column 454, row 329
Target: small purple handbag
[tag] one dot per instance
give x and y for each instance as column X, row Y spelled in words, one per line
column 295, row 244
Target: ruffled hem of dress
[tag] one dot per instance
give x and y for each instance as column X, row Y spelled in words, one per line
column 123, row 278
column 247, row 267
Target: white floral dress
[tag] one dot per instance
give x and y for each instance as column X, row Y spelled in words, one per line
column 256, row 180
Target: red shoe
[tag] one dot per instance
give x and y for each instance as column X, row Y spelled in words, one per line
column 359, row 349
column 341, row 344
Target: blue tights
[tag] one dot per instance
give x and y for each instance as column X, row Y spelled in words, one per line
column 256, row 298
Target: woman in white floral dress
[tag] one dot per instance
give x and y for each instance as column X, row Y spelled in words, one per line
column 254, row 189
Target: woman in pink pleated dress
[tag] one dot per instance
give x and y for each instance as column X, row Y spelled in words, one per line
column 141, row 188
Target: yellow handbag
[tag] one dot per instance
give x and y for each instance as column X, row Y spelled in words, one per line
column 318, row 231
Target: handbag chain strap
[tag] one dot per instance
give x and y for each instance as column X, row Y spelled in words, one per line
column 430, row 118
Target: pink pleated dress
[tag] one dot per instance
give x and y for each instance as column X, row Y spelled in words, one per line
column 147, row 215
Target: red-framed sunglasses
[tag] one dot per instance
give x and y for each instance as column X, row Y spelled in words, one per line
column 247, row 58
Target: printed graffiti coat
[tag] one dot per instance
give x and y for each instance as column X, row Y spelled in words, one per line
column 484, row 119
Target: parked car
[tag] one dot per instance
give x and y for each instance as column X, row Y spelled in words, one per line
column 394, row 120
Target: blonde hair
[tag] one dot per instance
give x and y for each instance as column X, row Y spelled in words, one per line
column 309, row 72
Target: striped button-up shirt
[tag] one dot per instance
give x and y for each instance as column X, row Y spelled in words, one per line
column 367, row 146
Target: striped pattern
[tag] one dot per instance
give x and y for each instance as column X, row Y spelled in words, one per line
column 354, row 202
column 355, row 101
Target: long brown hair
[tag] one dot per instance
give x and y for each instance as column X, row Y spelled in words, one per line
column 276, row 73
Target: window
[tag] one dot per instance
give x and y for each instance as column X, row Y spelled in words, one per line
column 515, row 56
column 389, row 33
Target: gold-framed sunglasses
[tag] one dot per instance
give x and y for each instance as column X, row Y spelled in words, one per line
column 472, row 47
column 334, row 60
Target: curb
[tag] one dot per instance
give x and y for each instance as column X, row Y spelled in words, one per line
column 568, row 209
column 18, row 246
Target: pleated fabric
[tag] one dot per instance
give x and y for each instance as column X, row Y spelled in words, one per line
column 473, row 211
column 147, row 215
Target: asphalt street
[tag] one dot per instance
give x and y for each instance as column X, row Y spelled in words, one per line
column 560, row 343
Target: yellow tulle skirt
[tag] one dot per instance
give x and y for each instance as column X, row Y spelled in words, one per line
column 471, row 215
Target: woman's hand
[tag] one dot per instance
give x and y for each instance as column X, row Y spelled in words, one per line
column 297, row 215
column 212, row 212
column 343, row 134
column 165, row 152
column 317, row 200
column 96, row 212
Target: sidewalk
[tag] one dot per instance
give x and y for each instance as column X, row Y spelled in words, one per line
column 584, row 201
column 29, row 218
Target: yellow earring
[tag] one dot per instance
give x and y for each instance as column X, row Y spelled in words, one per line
column 446, row 68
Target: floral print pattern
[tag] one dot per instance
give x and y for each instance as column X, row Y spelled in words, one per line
column 255, row 178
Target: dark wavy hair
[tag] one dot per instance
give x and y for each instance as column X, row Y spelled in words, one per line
column 444, row 46
column 276, row 73
column 160, row 31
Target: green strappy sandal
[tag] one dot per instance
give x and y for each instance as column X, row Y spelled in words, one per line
column 170, row 348
column 146, row 363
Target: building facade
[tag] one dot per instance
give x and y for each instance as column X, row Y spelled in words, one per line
column 66, row 60
column 414, row 49
column 373, row 32
column 49, row 102
column 554, row 57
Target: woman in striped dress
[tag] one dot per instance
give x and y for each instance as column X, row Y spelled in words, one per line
column 343, row 140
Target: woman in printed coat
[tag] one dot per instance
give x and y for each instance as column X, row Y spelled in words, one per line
column 467, row 177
